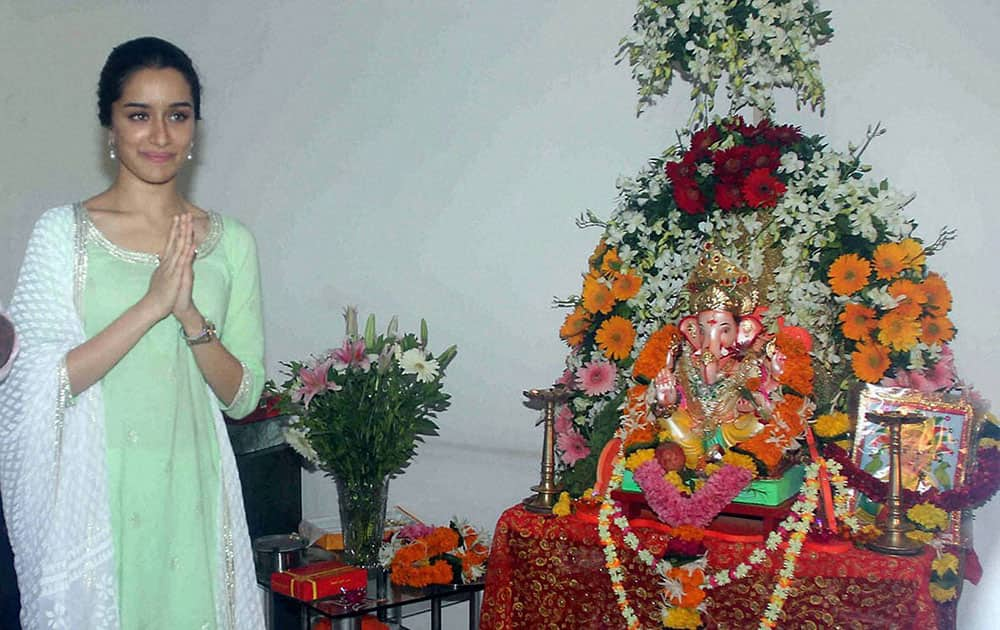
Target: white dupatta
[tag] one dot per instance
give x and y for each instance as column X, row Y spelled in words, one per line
column 52, row 459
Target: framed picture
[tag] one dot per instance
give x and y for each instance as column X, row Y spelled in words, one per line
column 935, row 453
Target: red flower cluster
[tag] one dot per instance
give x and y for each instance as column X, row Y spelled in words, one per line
column 742, row 175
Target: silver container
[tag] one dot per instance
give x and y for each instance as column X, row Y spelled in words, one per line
column 279, row 552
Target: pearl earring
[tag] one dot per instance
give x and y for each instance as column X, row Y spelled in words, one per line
column 111, row 150
column 190, row 155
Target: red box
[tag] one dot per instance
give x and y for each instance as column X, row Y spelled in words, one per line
column 319, row 580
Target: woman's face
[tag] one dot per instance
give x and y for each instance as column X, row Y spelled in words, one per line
column 152, row 124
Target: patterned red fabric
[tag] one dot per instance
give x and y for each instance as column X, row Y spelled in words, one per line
column 548, row 573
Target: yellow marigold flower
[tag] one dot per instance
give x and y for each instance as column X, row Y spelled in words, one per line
column 639, row 458
column 942, row 595
column 563, row 506
column 928, row 516
column 845, row 444
column 944, row 563
column 741, row 461
column 866, row 533
column 674, row 479
column 681, row 618
column 920, row 536
column 832, row 424
column 989, row 443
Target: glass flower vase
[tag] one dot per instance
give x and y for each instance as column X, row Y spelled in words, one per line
column 362, row 519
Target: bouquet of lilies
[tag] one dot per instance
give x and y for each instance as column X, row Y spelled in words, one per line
column 361, row 409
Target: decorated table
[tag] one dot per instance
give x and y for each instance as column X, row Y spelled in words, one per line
column 548, row 572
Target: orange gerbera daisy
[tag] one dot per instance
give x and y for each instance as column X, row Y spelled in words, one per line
column 595, row 258
column 899, row 330
column 889, row 259
column 625, row 286
column 914, row 251
column 858, row 321
column 936, row 329
column 848, row 274
column 907, row 290
column 597, row 296
column 612, row 263
column 576, row 324
column 907, row 309
column 938, row 294
column 615, row 337
column 870, row 361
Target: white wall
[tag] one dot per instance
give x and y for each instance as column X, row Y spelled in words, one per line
column 427, row 159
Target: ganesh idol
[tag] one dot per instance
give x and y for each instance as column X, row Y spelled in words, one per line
column 717, row 384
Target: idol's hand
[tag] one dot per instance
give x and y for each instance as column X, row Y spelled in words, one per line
column 665, row 386
column 167, row 278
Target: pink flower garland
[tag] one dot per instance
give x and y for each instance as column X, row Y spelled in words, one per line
column 703, row 506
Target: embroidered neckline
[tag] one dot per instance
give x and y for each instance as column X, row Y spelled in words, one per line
column 131, row 256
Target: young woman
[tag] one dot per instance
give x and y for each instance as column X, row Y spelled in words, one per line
column 139, row 321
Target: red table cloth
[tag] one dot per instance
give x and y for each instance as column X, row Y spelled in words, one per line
column 548, row 572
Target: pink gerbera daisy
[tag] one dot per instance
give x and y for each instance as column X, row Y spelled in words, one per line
column 564, row 419
column 566, row 378
column 573, row 446
column 596, row 378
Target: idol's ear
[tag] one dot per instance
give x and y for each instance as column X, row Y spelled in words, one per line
column 750, row 328
column 691, row 330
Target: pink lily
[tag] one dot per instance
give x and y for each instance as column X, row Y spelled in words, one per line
column 351, row 353
column 315, row 381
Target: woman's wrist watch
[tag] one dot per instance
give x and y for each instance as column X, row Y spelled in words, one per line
column 206, row 334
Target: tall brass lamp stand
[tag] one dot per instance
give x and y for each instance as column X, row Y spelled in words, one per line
column 546, row 492
column 894, row 540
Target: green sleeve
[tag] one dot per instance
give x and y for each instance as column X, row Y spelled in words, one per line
column 242, row 331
